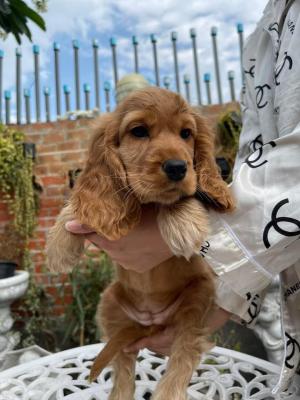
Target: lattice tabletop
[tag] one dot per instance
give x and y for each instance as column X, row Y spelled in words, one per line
column 223, row 375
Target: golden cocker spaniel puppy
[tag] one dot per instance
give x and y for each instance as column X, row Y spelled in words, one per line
column 152, row 149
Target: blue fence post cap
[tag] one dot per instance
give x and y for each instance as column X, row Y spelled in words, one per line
column 7, row 94
column 207, row 77
column 214, row 31
column 193, row 33
column 86, row 87
column 135, row 40
column 231, row 75
column 186, row 78
column 67, row 89
column 75, row 44
column 95, row 43
column 18, row 52
column 153, row 38
column 36, row 49
column 46, row 91
column 240, row 27
column 107, row 86
column 167, row 81
column 1, row 53
column 174, row 35
column 56, row 46
column 26, row 92
column 113, row 41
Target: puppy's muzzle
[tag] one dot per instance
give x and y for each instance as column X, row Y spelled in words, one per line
column 175, row 169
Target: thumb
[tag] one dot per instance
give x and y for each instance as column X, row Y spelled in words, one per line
column 76, row 227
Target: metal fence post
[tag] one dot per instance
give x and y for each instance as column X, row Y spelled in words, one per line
column 47, row 103
column 174, row 42
column 214, row 32
column 231, row 85
column 7, row 96
column 113, row 43
column 135, row 43
column 240, row 30
column 67, row 92
column 56, row 48
column 27, row 105
column 167, row 82
column 36, row 52
column 96, row 73
column 154, row 41
column 197, row 70
column 76, row 71
column 1, row 84
column 207, row 84
column 87, row 90
column 107, row 95
column 18, row 86
column 187, row 82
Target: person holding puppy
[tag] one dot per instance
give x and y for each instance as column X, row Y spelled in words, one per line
column 260, row 239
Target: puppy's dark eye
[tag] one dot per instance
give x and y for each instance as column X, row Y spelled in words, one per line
column 140, row 131
column 185, row 133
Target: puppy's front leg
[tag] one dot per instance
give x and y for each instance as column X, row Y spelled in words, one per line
column 124, row 377
column 63, row 248
column 190, row 340
column 183, row 226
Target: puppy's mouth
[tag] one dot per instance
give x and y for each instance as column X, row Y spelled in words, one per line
column 165, row 195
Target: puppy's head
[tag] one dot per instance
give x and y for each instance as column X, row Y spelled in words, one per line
column 153, row 148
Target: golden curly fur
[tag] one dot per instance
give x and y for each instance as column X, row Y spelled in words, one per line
column 125, row 170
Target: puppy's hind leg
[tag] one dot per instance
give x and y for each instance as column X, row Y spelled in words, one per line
column 63, row 248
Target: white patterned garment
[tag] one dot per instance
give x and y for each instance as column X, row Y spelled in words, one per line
column 261, row 238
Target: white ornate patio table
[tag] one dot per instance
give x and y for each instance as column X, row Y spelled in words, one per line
column 223, row 375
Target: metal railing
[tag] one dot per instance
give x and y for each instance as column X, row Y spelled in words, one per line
column 23, row 110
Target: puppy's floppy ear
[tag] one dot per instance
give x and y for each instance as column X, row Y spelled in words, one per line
column 211, row 189
column 102, row 198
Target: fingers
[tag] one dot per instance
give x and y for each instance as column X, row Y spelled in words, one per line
column 77, row 228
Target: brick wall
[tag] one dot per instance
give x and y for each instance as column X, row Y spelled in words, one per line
column 61, row 147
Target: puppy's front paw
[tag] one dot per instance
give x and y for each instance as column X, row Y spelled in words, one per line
column 63, row 248
column 183, row 226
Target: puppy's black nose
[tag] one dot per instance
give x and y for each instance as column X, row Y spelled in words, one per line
column 175, row 169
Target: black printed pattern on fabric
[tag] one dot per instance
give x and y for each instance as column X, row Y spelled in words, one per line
column 274, row 27
column 286, row 61
column 274, row 224
column 293, row 289
column 256, row 143
column 261, row 91
column 291, row 26
column 252, row 162
column 292, row 347
column 204, row 248
column 254, row 308
column 251, row 70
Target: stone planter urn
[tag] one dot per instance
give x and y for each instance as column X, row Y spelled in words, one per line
column 10, row 290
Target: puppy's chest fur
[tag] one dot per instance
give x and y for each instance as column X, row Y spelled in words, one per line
column 183, row 227
column 155, row 290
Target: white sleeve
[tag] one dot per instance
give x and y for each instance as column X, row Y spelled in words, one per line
column 252, row 245
column 261, row 238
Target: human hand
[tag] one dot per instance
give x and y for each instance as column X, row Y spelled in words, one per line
column 162, row 341
column 141, row 250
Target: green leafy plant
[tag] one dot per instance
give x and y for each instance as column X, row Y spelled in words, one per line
column 16, row 184
column 88, row 282
column 19, row 194
column 229, row 128
column 15, row 15
column 10, row 244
